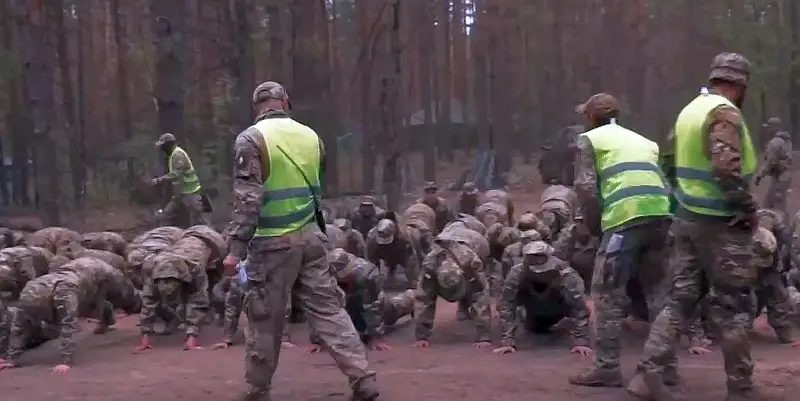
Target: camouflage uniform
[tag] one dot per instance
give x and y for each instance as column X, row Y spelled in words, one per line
column 469, row 221
column 468, row 199
column 713, row 256
column 18, row 266
column 84, row 287
column 555, row 166
column 502, row 197
column 276, row 263
column 354, row 242
column 490, row 213
column 459, row 278
column 549, row 290
column 370, row 309
column 177, row 278
column 777, row 165
column 578, row 247
column 558, row 205
column 192, row 202
column 444, row 214
column 499, row 237
column 630, row 254
column 365, row 216
column 51, row 237
column 9, row 238
column 106, row 241
column 512, row 256
column 421, row 217
column 529, row 221
column 389, row 242
column 771, row 291
column 146, row 245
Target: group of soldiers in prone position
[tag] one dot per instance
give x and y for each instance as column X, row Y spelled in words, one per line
column 534, row 270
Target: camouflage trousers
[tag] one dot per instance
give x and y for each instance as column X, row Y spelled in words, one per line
column 637, row 254
column 392, row 309
column 187, row 206
column 233, row 304
column 772, row 294
column 192, row 310
column 275, row 263
column 713, row 262
column 540, row 314
column 778, row 191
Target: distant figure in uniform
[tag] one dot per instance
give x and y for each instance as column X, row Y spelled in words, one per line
column 186, row 190
column 777, row 165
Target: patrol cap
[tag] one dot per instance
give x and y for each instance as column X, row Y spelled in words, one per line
column 165, row 138
column 730, row 67
column 340, row 264
column 368, row 201
column 452, row 285
column 269, row 90
column 469, row 188
column 600, row 105
column 385, row 230
column 532, row 235
column 537, row 248
column 431, row 186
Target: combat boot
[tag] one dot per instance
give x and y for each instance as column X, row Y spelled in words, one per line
column 255, row 394
column 755, row 393
column 365, row 390
column 670, row 377
column 648, row 386
column 597, row 377
column 784, row 335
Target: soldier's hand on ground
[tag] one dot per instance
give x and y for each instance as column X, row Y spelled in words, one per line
column 191, row 344
column 699, row 350
column 287, row 345
column 229, row 263
column 313, row 349
column 144, row 344
column 482, row 344
column 60, row 369
column 221, row 345
column 581, row 350
column 4, row 364
column 504, row 350
column 377, row 345
column 422, row 344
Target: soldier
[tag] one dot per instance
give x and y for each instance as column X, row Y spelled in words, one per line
column 84, row 287
column 499, row 237
column 353, row 241
column 9, row 238
column 391, row 243
column 529, row 221
column 777, row 165
column 558, row 205
column 444, row 214
column 492, row 212
column 145, row 245
column 177, row 278
column 74, row 250
column 555, row 167
column 775, row 221
column 421, row 217
column 106, row 241
column 468, row 198
column 187, row 193
column 550, row 291
column 334, row 236
column 469, row 221
column 370, row 309
column 278, row 165
column 459, row 278
column 512, row 256
column 18, row 266
column 502, row 197
column 49, row 238
column 771, row 291
column 577, row 246
column 714, row 224
column 366, row 216
column 623, row 198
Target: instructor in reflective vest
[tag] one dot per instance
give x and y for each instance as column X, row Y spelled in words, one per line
column 187, row 194
column 624, row 198
column 278, row 163
column 714, row 225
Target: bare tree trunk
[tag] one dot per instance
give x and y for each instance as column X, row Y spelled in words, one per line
column 169, row 27
column 120, row 38
column 425, row 31
column 390, row 91
column 794, row 73
column 39, row 59
column 446, row 78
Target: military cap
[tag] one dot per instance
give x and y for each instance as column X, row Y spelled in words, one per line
column 730, row 67
column 431, row 186
column 539, row 248
column 165, row 138
column 600, row 105
column 469, row 188
column 532, row 235
column 368, row 201
column 269, row 90
column 452, row 285
column 340, row 262
column 774, row 121
column 386, row 230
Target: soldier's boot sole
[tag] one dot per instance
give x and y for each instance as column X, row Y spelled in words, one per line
column 365, row 390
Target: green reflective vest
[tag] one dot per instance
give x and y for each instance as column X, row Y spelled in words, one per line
column 189, row 182
column 287, row 202
column 698, row 190
column 630, row 181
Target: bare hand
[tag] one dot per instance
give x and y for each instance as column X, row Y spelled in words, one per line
column 377, row 345
column 221, row 345
column 60, row 369
column 154, row 181
column 230, row 262
column 504, row 350
column 191, row 344
column 4, row 364
column 699, row 350
column 422, row 344
column 581, row 350
column 482, row 344
column 144, row 344
column 287, row 345
column 313, row 349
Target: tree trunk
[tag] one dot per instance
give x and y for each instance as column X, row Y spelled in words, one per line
column 169, row 28
column 390, row 124
column 121, row 41
column 794, row 73
column 425, row 30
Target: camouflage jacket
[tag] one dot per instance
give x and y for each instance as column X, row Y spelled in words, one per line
column 364, row 295
column 778, row 156
column 579, row 251
column 443, row 212
column 106, row 241
column 18, row 265
column 51, row 238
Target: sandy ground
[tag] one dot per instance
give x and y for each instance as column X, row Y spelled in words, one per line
column 451, row 369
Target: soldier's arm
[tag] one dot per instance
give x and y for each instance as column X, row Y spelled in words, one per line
column 481, row 302
column 508, row 305
column 506, row 262
column 373, row 300
column 725, row 150
column 573, row 290
column 586, row 185
column 19, row 321
column 563, row 245
column 361, row 245
column 248, row 177
column 67, row 303
column 425, row 305
column 772, row 158
column 372, row 247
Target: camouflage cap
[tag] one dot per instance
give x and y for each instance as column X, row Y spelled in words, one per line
column 452, row 285
column 386, row 230
column 469, row 188
column 730, row 67
column 165, row 138
column 368, row 201
column 600, row 105
column 774, row 121
column 431, row 186
column 538, row 248
column 269, row 90
column 531, row 235
column 340, row 264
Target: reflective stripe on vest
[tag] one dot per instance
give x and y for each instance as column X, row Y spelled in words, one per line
column 630, row 181
column 189, row 181
column 697, row 189
column 287, row 202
